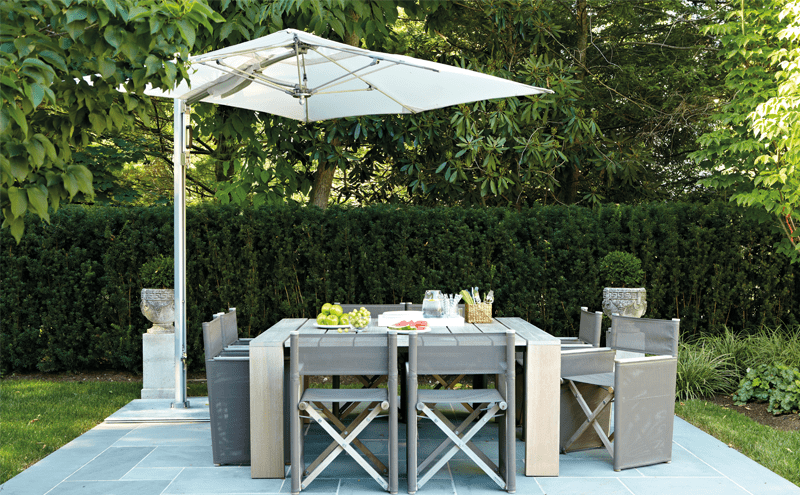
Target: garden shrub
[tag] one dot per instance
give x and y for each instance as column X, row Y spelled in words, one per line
column 70, row 293
column 777, row 384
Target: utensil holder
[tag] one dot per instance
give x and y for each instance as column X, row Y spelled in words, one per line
column 478, row 313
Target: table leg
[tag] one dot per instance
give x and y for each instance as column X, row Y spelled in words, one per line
column 266, row 412
column 336, row 383
column 542, row 400
column 402, row 360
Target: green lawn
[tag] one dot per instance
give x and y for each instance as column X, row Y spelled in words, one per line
column 778, row 451
column 39, row 417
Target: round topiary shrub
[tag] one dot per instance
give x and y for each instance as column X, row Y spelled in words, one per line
column 621, row 269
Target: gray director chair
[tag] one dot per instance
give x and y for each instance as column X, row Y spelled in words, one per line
column 491, row 354
column 642, row 390
column 228, row 380
column 342, row 410
column 589, row 330
column 342, row 354
column 450, row 381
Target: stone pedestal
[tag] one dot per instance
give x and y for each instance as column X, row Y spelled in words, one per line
column 158, row 366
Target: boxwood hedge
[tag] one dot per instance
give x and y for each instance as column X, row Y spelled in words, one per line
column 70, row 290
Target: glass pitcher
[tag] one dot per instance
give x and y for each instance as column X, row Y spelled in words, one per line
column 433, row 304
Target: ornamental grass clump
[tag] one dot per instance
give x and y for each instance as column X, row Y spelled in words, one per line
column 702, row 372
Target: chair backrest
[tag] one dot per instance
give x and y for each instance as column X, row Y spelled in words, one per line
column 374, row 309
column 343, row 354
column 645, row 335
column 590, row 328
column 230, row 330
column 471, row 354
column 586, row 361
column 212, row 337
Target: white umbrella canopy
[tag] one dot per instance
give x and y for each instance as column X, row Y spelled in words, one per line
column 304, row 77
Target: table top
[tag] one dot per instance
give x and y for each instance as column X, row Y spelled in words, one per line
column 527, row 333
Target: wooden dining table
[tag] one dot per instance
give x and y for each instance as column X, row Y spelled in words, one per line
column 538, row 351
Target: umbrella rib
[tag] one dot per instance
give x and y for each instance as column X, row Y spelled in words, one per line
column 372, row 55
column 349, row 73
column 253, row 75
column 222, row 66
column 342, row 91
column 371, row 86
column 410, row 110
column 250, row 51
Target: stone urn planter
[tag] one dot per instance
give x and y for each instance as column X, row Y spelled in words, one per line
column 624, row 301
column 622, row 273
column 158, row 306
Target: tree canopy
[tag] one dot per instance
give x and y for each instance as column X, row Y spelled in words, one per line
column 635, row 84
column 61, row 63
column 753, row 149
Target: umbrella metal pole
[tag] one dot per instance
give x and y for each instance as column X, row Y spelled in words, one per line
column 181, row 159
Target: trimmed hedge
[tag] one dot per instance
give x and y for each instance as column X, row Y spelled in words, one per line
column 70, row 293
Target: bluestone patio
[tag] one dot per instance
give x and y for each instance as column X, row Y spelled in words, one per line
column 146, row 448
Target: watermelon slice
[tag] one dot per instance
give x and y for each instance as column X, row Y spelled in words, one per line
column 409, row 325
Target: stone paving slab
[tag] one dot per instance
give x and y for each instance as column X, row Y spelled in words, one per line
column 150, row 458
column 160, row 411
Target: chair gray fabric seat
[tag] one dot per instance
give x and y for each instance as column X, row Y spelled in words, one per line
column 344, row 395
column 599, row 379
column 237, row 347
column 459, row 395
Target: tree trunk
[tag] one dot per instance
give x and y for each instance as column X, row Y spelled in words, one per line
column 323, row 178
column 321, row 189
column 582, row 18
column 571, row 173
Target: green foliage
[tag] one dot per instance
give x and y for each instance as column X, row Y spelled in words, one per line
column 777, row 384
column 61, row 64
column 738, row 349
column 158, row 273
column 702, row 372
column 714, row 363
column 620, row 269
column 70, row 292
column 754, row 148
column 629, row 108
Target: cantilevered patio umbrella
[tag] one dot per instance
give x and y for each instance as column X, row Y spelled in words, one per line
column 304, row 77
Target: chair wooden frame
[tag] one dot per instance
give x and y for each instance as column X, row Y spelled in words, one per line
column 342, row 354
column 454, row 354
